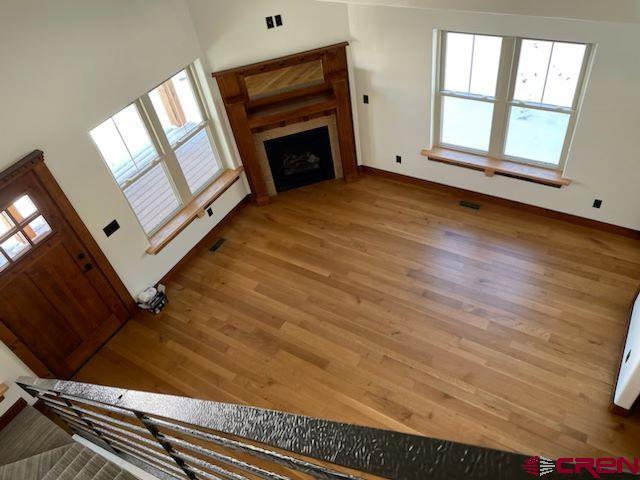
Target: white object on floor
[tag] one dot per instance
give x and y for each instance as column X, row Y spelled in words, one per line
column 628, row 386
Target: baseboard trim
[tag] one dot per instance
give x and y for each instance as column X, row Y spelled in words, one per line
column 207, row 239
column 566, row 217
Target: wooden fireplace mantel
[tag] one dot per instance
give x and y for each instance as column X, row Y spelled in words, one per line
column 251, row 115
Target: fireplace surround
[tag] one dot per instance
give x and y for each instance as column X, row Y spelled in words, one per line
column 292, row 91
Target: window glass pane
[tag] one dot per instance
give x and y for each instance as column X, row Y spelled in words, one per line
column 3, row 262
column 466, row 123
column 457, row 69
column 135, row 136
column 15, row 245
column 197, row 160
column 532, row 70
column 486, row 62
column 471, row 63
column 5, row 223
column 536, row 134
column 175, row 103
column 152, row 198
column 37, row 229
column 564, row 72
column 124, row 144
column 22, row 208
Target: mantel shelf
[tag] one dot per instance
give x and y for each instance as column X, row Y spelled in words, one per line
column 291, row 110
column 493, row 166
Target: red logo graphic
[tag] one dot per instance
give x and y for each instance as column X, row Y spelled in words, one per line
column 596, row 467
column 538, row 466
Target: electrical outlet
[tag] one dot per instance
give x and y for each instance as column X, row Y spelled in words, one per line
column 278, row 20
column 597, row 203
column 269, row 21
column 398, row 159
column 365, row 98
column 112, row 228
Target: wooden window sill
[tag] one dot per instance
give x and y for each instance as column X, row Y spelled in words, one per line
column 194, row 209
column 492, row 166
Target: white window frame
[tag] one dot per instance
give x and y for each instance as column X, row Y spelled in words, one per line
column 503, row 99
column 166, row 153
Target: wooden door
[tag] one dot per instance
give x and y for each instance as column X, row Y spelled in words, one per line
column 54, row 297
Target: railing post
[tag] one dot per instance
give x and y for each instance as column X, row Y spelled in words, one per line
column 155, row 433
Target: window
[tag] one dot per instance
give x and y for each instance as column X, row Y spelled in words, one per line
column 508, row 98
column 160, row 150
column 21, row 227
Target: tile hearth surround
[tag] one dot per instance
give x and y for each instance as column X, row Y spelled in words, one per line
column 260, row 138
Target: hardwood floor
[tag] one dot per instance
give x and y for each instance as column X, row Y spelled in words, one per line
column 389, row 305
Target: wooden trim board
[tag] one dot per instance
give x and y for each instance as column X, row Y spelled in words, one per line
column 493, row 166
column 194, row 209
column 13, row 412
column 566, row 217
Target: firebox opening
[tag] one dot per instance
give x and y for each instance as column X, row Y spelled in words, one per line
column 300, row 159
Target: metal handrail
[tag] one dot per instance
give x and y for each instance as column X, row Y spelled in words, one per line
column 146, row 426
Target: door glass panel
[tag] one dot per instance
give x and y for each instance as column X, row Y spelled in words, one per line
column 22, row 208
column 5, row 223
column 37, row 229
column 15, row 245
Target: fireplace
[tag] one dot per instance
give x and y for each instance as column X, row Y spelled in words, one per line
column 300, row 159
column 286, row 96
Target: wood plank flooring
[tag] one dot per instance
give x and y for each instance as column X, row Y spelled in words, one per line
column 388, row 304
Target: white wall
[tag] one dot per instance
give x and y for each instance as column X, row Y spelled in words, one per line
column 10, row 369
column 233, row 33
column 613, row 11
column 393, row 53
column 67, row 65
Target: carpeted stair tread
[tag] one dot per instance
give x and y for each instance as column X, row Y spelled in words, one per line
column 91, row 468
column 124, row 476
column 29, row 434
column 62, row 464
column 110, row 472
column 77, row 466
column 35, row 467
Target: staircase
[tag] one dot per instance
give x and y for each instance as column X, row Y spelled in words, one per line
column 32, row 447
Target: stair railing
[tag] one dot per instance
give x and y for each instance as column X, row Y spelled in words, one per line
column 184, row 438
